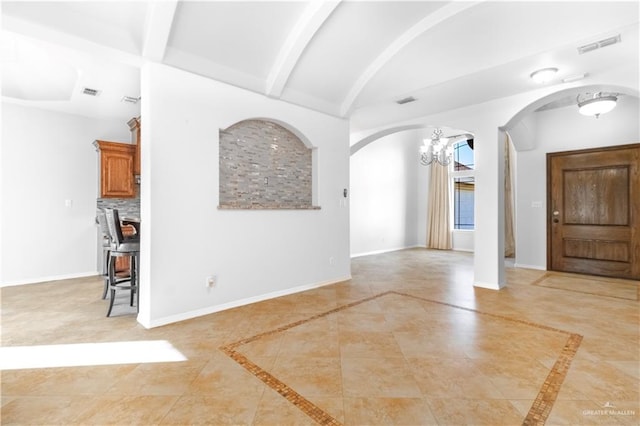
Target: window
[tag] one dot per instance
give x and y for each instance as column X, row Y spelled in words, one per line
column 463, row 195
column 463, row 155
column 463, row 183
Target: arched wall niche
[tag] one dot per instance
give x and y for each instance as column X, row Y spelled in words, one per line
column 265, row 164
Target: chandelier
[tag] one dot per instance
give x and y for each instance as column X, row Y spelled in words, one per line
column 436, row 149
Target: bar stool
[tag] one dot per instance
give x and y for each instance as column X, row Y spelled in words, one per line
column 106, row 248
column 106, row 253
column 121, row 247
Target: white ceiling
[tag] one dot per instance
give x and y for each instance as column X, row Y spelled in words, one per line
column 350, row 58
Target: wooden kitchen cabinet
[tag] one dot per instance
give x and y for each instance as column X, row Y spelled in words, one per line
column 117, row 162
column 134, row 126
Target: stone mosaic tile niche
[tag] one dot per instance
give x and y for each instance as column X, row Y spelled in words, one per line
column 264, row 166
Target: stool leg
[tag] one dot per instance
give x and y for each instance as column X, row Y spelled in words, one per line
column 112, row 282
column 105, row 271
column 113, row 296
column 132, row 276
column 138, row 282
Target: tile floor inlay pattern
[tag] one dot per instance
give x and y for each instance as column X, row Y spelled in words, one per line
column 541, row 407
column 391, row 359
column 594, row 286
column 537, row 414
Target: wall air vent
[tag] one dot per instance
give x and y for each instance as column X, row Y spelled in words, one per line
column 90, row 92
column 130, row 99
column 598, row 44
column 405, row 100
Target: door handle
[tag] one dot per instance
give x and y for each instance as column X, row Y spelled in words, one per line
column 556, row 213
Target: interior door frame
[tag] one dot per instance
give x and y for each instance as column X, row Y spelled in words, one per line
column 549, row 208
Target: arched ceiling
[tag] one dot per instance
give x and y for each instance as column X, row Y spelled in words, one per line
column 350, row 59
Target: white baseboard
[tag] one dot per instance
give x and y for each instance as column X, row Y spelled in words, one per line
column 389, row 250
column 370, row 253
column 50, row 278
column 490, row 286
column 538, row 267
column 465, row 250
column 157, row 322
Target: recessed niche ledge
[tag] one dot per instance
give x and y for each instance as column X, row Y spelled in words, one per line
column 266, row 207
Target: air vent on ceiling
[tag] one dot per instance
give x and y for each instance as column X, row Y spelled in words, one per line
column 130, row 99
column 598, row 44
column 90, row 92
column 574, row 77
column 405, row 100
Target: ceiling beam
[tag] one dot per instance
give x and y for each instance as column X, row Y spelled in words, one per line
column 397, row 45
column 309, row 23
column 157, row 28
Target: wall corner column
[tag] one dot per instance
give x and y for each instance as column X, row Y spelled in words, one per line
column 489, row 211
column 144, row 276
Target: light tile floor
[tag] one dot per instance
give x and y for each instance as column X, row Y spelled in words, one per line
column 407, row 341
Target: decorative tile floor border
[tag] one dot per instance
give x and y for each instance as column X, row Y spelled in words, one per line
column 541, row 408
column 546, row 275
column 537, row 415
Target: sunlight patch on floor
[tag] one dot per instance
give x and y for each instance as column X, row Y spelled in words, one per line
column 84, row 354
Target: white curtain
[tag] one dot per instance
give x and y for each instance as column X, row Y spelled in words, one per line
column 439, row 217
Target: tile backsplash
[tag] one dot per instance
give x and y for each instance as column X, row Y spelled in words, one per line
column 127, row 207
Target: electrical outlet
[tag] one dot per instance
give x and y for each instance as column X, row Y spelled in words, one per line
column 331, row 260
column 211, row 281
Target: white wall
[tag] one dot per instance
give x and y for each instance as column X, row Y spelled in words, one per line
column 48, row 158
column 463, row 240
column 562, row 129
column 185, row 237
column 384, row 194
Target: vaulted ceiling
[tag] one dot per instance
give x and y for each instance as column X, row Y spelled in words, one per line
column 346, row 58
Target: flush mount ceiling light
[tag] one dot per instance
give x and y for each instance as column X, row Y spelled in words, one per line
column 596, row 103
column 543, row 75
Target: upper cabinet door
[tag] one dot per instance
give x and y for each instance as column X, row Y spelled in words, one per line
column 116, row 170
column 134, row 126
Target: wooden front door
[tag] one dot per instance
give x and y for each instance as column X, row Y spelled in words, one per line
column 593, row 211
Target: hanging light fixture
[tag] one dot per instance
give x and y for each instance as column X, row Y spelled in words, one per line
column 440, row 148
column 596, row 103
column 436, row 149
